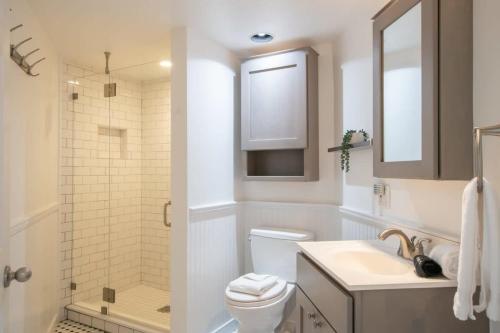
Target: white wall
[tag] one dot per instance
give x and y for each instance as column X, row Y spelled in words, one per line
column 430, row 205
column 31, row 149
column 204, row 215
column 212, row 239
column 486, row 83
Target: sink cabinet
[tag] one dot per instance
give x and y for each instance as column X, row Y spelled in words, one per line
column 321, row 299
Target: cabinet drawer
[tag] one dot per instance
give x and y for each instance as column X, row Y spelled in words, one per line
column 335, row 304
column 310, row 319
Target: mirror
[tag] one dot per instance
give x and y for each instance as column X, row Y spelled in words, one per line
column 402, row 88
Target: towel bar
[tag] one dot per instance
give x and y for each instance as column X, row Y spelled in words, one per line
column 479, row 132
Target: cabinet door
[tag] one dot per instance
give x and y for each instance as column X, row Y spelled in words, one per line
column 406, row 90
column 274, row 102
column 310, row 320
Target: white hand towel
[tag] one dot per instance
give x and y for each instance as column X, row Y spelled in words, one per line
column 472, row 252
column 256, row 277
column 252, row 287
column 489, row 298
column 468, row 257
column 446, row 255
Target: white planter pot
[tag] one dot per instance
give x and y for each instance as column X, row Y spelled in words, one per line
column 357, row 138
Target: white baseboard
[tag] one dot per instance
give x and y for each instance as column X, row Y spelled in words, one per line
column 229, row 326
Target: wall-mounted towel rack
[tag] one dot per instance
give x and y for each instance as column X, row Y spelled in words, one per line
column 20, row 59
column 479, row 132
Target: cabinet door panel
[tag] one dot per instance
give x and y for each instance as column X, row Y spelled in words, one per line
column 274, row 102
column 310, row 319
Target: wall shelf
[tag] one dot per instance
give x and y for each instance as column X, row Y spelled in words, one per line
column 355, row 146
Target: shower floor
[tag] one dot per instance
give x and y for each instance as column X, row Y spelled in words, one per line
column 139, row 305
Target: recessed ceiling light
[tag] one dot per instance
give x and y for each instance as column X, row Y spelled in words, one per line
column 262, row 37
column 166, row 63
column 76, row 83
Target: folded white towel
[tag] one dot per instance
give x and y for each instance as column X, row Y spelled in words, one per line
column 248, row 285
column 446, row 255
column 256, row 277
column 473, row 252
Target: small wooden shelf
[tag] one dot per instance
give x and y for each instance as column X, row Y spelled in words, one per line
column 355, row 146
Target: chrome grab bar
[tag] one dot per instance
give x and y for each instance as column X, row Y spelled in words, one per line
column 165, row 214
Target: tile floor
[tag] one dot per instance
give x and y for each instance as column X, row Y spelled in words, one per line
column 138, row 305
column 69, row 326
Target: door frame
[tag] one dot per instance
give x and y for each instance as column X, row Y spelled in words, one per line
column 4, row 215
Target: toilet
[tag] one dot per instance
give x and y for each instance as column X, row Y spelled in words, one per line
column 273, row 252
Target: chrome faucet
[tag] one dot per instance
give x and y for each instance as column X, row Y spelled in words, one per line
column 408, row 248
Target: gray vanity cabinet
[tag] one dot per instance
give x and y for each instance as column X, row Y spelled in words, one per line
column 422, row 63
column 279, row 116
column 422, row 310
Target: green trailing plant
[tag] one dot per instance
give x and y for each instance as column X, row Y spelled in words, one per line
column 346, row 146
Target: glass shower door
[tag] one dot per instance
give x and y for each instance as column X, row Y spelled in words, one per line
column 139, row 190
column 86, row 161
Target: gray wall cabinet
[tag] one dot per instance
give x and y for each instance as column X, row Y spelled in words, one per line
column 279, row 116
column 321, row 299
column 422, row 62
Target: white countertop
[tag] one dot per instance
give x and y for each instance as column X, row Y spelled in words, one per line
column 378, row 266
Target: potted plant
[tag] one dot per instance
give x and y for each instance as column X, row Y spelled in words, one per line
column 350, row 137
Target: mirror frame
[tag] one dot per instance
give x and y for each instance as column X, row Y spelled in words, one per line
column 428, row 167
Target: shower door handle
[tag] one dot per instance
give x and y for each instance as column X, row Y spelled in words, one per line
column 165, row 214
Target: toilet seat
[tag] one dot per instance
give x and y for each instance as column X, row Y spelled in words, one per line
column 274, row 294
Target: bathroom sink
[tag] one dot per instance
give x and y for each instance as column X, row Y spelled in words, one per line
column 372, row 262
column 368, row 265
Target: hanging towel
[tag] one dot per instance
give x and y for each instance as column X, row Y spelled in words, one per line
column 489, row 297
column 447, row 257
column 248, row 285
column 469, row 253
column 472, row 252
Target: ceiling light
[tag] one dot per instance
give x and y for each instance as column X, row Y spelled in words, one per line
column 74, row 82
column 262, row 37
column 166, row 63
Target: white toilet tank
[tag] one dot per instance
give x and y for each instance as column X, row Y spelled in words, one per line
column 274, row 251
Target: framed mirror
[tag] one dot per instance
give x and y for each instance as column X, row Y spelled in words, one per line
column 406, row 90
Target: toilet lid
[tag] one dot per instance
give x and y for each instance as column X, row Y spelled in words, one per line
column 270, row 296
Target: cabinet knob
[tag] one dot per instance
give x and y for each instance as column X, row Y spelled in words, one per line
column 311, row 315
column 317, row 324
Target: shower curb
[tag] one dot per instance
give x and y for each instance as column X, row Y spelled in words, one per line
column 102, row 322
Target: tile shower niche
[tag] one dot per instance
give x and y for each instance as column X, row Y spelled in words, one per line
column 112, row 142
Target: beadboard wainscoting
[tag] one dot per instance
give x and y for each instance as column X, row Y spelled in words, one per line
column 322, row 219
column 214, row 259
column 40, row 300
column 327, row 221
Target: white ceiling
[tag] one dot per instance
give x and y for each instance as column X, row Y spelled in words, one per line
column 138, row 31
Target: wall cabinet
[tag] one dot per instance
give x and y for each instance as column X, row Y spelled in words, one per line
column 423, row 90
column 279, row 116
column 324, row 306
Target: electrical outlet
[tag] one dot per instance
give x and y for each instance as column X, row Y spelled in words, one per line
column 383, row 193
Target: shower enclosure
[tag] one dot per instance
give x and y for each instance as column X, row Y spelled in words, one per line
column 115, row 167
